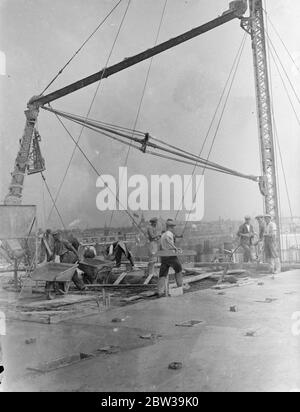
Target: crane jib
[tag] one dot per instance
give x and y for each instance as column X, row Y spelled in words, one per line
column 133, row 60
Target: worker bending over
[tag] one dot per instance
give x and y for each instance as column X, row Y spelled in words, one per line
column 67, row 254
column 116, row 250
column 167, row 243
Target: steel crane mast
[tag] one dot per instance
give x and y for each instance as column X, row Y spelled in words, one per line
column 255, row 26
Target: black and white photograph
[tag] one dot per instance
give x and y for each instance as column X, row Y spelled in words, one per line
column 149, row 199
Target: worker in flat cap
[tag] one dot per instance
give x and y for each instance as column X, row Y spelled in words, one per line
column 246, row 236
column 153, row 235
column 270, row 245
column 167, row 243
column 260, row 241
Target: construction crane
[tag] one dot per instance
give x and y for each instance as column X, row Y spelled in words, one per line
column 29, row 159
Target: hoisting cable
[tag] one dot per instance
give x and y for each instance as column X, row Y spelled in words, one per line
column 213, row 118
column 177, row 151
column 142, row 98
column 52, row 199
column 285, row 87
column 82, row 46
column 282, row 41
column 284, row 69
column 285, row 181
column 91, row 105
column 278, row 142
column 99, row 174
column 220, row 121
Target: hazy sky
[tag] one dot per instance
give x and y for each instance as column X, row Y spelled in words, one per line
column 185, row 83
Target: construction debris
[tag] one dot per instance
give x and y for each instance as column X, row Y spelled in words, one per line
column 117, row 320
column 267, row 300
column 175, row 365
column 30, row 341
column 189, row 323
column 111, row 349
column 150, row 336
column 250, row 334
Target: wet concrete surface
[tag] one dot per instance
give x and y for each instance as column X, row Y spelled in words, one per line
column 256, row 348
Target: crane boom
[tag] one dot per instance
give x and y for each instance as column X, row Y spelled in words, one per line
column 237, row 10
column 255, row 26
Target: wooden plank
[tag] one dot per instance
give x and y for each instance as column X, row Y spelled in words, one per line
column 110, row 285
column 120, row 278
column 232, row 285
column 196, row 278
column 50, row 317
column 149, row 277
column 64, row 300
column 166, row 253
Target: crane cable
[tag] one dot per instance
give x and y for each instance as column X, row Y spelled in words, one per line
column 52, row 199
column 276, row 133
column 284, row 69
column 269, row 70
column 81, row 47
column 285, row 86
column 90, row 107
column 220, row 120
column 277, row 142
column 145, row 143
column 99, row 174
column 281, row 40
column 214, row 117
column 142, row 98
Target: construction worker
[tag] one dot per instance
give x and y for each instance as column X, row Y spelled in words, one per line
column 74, row 241
column 67, row 254
column 167, row 243
column 270, row 245
column 246, row 235
column 47, row 244
column 153, row 238
column 116, row 250
column 260, row 242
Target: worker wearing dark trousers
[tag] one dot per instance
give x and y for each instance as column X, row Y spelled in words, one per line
column 67, row 254
column 168, row 244
column 116, row 250
column 153, row 238
column 246, row 234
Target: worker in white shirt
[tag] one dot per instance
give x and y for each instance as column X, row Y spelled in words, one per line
column 270, row 244
column 167, row 243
